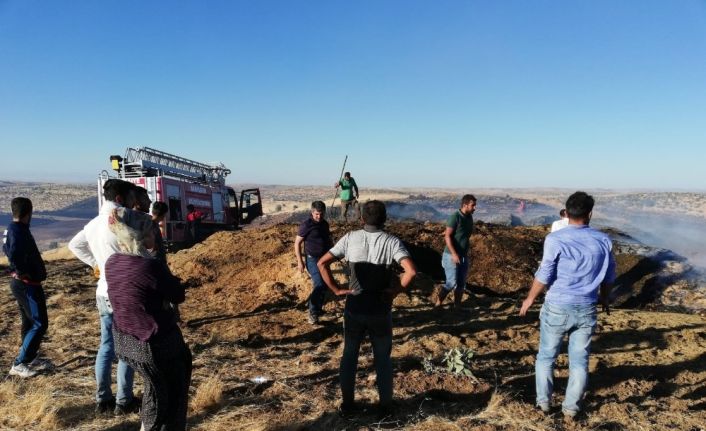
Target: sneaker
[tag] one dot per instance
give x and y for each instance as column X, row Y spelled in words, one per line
column 125, row 409
column 570, row 414
column 103, row 407
column 41, row 364
column 22, row 370
column 543, row 407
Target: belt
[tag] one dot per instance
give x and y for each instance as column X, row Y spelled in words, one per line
column 25, row 281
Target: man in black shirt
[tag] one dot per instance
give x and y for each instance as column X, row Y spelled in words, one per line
column 315, row 234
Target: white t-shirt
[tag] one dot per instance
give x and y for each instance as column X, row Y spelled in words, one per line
column 560, row 224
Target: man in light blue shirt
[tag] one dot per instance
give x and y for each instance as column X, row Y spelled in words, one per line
column 579, row 268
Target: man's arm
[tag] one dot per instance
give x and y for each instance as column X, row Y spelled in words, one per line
column 448, row 239
column 535, row 290
column 16, row 253
column 324, row 265
column 168, row 284
column 410, row 271
column 607, row 284
column 298, row 252
column 604, row 296
column 355, row 187
column 80, row 248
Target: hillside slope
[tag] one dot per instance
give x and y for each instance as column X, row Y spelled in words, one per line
column 245, row 318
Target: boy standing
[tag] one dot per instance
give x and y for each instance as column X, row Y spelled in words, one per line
column 28, row 272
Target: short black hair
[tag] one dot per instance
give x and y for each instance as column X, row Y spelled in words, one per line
column 347, row 174
column 139, row 189
column 21, row 207
column 467, row 199
column 190, row 207
column 159, row 209
column 318, row 206
column 374, row 213
column 562, row 213
column 579, row 205
column 115, row 187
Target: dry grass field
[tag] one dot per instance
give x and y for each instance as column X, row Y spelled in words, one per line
column 258, row 364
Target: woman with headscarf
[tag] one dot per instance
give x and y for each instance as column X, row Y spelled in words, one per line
column 145, row 328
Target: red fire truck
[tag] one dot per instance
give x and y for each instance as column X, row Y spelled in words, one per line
column 180, row 182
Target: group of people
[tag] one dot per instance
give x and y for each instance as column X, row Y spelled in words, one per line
column 577, row 268
column 136, row 296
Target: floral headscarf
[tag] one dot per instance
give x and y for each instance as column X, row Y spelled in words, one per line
column 130, row 227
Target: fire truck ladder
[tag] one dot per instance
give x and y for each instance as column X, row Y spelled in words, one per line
column 148, row 162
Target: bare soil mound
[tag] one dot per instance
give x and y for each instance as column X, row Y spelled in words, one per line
column 258, row 364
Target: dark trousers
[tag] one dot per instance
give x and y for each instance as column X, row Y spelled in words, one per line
column 33, row 310
column 379, row 329
column 165, row 367
column 318, row 293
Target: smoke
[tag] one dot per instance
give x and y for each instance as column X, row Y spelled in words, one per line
column 680, row 233
column 683, row 234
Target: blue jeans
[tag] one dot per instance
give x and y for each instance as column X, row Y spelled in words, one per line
column 379, row 329
column 455, row 274
column 316, row 299
column 33, row 310
column 104, row 360
column 579, row 321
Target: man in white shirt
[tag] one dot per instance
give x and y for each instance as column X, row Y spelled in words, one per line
column 93, row 246
column 562, row 222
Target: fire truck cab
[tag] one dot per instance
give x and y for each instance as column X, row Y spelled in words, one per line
column 179, row 182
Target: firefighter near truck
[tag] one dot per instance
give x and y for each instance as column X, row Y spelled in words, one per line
column 181, row 182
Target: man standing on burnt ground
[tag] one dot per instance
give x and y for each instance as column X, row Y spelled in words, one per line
column 93, row 246
column 349, row 196
column 373, row 285
column 455, row 259
column 577, row 263
column 314, row 232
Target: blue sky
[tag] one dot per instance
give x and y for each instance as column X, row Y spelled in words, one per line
column 578, row 94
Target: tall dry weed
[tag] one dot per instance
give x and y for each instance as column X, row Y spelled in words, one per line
column 28, row 404
column 209, row 395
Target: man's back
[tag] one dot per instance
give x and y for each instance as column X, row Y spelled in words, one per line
column 369, row 254
column 577, row 259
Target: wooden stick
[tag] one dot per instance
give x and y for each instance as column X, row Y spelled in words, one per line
column 339, row 179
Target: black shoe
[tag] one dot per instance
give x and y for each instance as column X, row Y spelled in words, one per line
column 125, row 409
column 385, row 411
column 348, row 410
column 103, row 407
